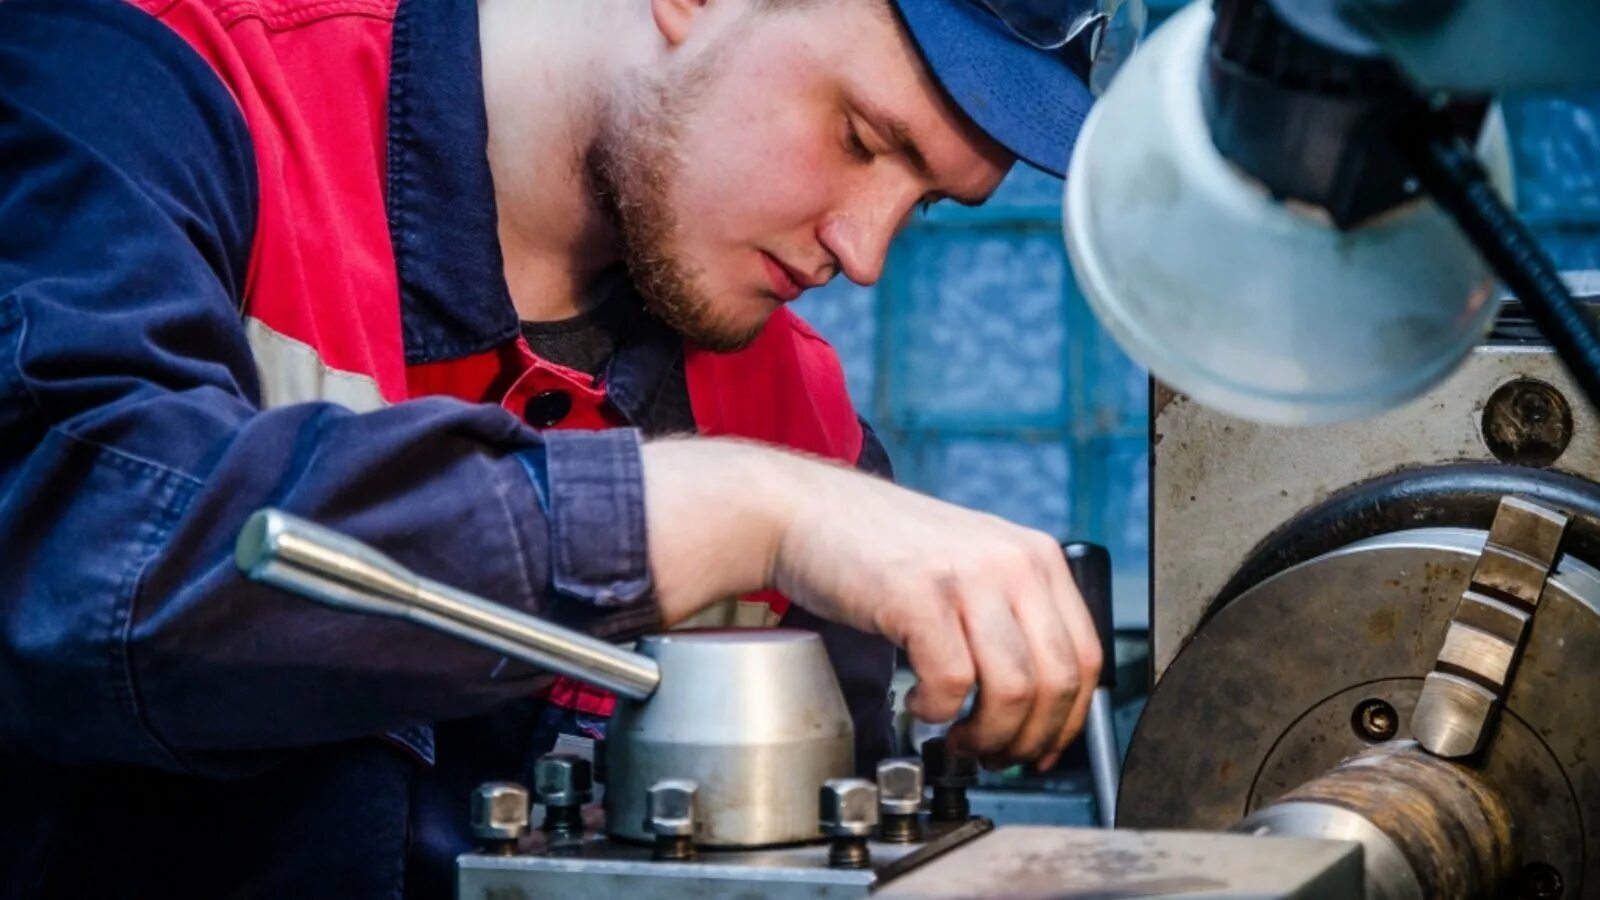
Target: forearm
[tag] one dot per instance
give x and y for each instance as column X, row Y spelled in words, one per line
column 715, row 509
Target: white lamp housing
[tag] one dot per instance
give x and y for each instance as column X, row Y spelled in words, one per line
column 1258, row 307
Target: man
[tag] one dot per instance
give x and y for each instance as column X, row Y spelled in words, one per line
column 325, row 256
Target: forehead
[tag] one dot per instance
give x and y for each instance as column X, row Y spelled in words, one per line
column 860, row 51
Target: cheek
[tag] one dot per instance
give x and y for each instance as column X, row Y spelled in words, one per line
column 753, row 172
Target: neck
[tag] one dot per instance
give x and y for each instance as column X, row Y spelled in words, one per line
column 548, row 67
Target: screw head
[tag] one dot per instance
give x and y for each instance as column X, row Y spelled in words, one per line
column 563, row 779
column 945, row 770
column 1375, row 720
column 900, row 786
column 848, row 807
column 1539, row 881
column 499, row 811
column 670, row 808
column 1527, row 422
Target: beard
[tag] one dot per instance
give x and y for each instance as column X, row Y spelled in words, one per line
column 631, row 167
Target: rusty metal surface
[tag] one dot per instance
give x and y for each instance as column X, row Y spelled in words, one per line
column 1221, row 486
column 1452, row 824
column 1262, row 699
column 1031, row 863
column 1455, row 714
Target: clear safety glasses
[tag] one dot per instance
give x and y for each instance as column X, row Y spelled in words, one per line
column 1096, row 37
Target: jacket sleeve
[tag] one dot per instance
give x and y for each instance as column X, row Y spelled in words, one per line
column 133, row 447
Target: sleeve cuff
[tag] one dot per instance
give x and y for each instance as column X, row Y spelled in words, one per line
column 591, row 487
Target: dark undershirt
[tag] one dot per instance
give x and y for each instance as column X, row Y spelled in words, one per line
column 586, row 342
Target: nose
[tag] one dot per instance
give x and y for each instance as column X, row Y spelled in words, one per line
column 858, row 237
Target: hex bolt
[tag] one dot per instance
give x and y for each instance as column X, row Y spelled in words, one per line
column 950, row 777
column 847, row 813
column 670, row 816
column 500, row 815
column 563, row 782
column 1375, row 720
column 900, row 798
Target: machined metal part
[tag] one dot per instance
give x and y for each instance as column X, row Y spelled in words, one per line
column 1429, row 827
column 755, row 718
column 899, row 798
column 950, row 777
column 323, row 565
column 499, row 814
column 847, row 814
column 1248, row 713
column 670, row 816
column 563, row 782
column 1105, row 762
column 1221, row 488
column 1034, row 863
column 1463, row 692
column 602, row 867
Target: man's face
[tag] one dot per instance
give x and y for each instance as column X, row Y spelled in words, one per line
column 772, row 150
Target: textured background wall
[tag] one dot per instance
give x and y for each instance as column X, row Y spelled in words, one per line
column 994, row 387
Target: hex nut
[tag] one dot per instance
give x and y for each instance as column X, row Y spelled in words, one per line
column 499, row 811
column 671, row 807
column 848, row 807
column 563, row 779
column 900, row 786
column 946, row 770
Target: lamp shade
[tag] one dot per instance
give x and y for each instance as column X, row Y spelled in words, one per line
column 1253, row 305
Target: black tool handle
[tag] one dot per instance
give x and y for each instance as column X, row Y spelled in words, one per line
column 1091, row 569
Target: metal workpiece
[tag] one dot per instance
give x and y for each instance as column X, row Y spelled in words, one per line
column 1039, row 863
column 1276, row 712
column 499, row 814
column 670, row 817
column 1223, row 489
column 335, row 570
column 950, row 776
column 1429, row 827
column 899, row 798
column 754, row 717
column 847, row 814
column 563, row 782
column 1461, row 696
column 1105, row 761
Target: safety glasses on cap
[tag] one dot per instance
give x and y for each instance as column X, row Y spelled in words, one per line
column 1095, row 36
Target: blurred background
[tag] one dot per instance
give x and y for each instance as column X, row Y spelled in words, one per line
column 981, row 367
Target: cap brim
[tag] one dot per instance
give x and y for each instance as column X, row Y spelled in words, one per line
column 1026, row 100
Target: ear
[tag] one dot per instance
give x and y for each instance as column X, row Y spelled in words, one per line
column 675, row 19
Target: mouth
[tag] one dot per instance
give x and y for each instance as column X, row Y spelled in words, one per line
column 787, row 284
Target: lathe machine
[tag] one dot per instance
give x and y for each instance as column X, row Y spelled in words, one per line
column 1371, row 645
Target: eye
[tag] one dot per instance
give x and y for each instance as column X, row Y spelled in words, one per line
column 854, row 144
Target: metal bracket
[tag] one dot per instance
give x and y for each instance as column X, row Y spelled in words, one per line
column 1472, row 675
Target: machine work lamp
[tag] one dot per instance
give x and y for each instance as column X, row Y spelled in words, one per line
column 1278, row 213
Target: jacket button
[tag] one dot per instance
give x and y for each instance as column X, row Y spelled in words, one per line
column 547, row 408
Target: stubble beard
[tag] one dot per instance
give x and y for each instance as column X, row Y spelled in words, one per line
column 631, row 167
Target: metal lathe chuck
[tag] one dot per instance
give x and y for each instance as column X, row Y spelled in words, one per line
column 1327, row 659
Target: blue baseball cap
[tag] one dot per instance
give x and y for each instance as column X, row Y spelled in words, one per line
column 1031, row 101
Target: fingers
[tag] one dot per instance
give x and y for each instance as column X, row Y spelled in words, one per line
column 1006, row 680
column 936, row 647
column 1056, row 675
column 1089, row 657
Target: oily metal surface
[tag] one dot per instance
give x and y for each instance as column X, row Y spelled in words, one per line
column 1250, row 704
column 1222, row 486
column 1519, row 763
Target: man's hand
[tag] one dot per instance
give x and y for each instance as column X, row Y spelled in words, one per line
column 973, row 599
